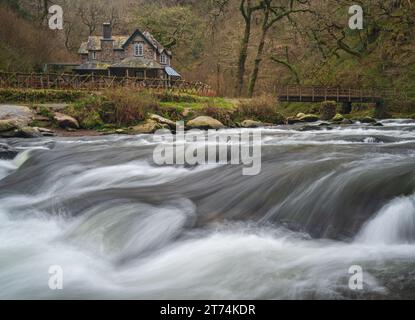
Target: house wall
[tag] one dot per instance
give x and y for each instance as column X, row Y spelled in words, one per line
column 149, row 50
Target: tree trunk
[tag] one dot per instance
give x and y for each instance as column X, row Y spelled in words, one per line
column 243, row 55
column 258, row 59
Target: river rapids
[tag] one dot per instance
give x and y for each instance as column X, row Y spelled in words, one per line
column 122, row 227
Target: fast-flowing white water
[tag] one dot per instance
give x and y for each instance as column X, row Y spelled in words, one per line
column 122, row 227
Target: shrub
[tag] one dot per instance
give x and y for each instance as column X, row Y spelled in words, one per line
column 128, row 106
column 264, row 108
column 218, row 113
column 121, row 107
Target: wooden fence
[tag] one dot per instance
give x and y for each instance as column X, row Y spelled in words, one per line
column 96, row 82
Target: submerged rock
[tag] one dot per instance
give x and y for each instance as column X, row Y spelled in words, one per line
column 7, row 152
column 346, row 121
column 368, row 120
column 205, row 122
column 310, row 128
column 254, row 124
column 64, row 121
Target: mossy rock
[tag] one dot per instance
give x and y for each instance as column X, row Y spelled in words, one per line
column 338, row 118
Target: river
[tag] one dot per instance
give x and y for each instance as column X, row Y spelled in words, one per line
column 123, row 228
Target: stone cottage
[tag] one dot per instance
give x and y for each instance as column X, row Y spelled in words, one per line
column 137, row 55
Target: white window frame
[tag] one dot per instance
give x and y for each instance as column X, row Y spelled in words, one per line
column 163, row 58
column 94, row 55
column 139, row 49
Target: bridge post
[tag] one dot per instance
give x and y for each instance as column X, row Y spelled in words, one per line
column 346, row 107
column 380, row 110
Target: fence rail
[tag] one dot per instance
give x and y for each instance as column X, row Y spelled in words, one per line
column 95, row 82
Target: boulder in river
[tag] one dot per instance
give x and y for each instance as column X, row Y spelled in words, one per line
column 368, row 120
column 64, row 121
column 204, row 123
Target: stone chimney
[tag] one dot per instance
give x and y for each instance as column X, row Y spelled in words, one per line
column 107, row 44
column 107, row 31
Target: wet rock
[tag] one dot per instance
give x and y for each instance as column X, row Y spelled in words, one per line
column 148, row 127
column 161, row 120
column 377, row 124
column 8, row 125
column 64, row 121
column 46, row 132
column 368, row 120
column 293, row 120
column 29, row 132
column 204, row 123
column 7, row 152
column 309, row 118
column 346, row 121
column 310, row 128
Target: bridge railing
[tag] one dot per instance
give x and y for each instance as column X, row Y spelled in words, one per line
column 336, row 93
column 95, row 82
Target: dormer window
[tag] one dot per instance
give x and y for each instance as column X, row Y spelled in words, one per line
column 163, row 59
column 138, row 49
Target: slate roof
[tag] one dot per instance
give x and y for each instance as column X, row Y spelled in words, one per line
column 93, row 66
column 171, row 72
column 94, row 43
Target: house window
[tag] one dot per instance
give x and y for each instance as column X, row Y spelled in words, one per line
column 139, row 74
column 163, row 59
column 138, row 49
column 94, row 55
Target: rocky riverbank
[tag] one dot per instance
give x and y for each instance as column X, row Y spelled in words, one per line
column 24, row 122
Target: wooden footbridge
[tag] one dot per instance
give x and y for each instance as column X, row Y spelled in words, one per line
column 300, row 93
